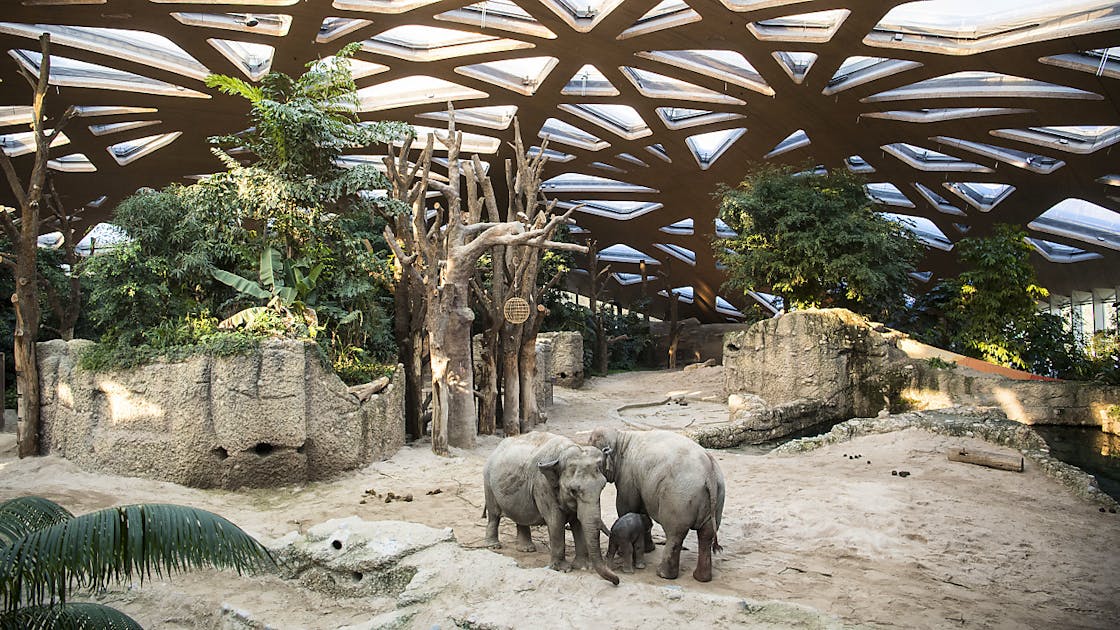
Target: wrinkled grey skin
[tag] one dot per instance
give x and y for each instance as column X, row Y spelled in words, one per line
column 539, row 478
column 627, row 540
column 672, row 479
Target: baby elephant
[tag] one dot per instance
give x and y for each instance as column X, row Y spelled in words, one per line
column 628, row 540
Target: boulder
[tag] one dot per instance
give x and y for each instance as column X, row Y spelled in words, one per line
column 566, row 364
column 272, row 417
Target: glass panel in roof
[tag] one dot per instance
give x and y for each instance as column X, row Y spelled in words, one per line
column 1099, row 61
column 523, row 75
column 625, row 253
column 612, row 209
column 1081, row 220
column 1037, row 163
column 493, row 117
column 472, row 142
column 972, row 84
column 923, row 228
column 579, row 182
column 857, row 164
column 683, row 118
column 752, row 5
column 659, row 151
column 589, row 81
column 335, row 27
column 857, row 71
column 372, row 6
column 796, row 64
column 15, row 115
column 724, row 65
column 1110, row 180
column 684, row 227
column 708, row 147
column 129, row 151
column 818, row 26
column 889, row 194
column 498, row 14
column 273, row 24
column 653, row 85
column 414, row 90
column 101, row 237
column 552, row 155
column 102, row 130
column 925, row 159
column 937, row 201
column 725, row 307
column 582, row 15
column 676, row 251
column 73, row 163
column 415, row 42
column 724, row 230
column 111, row 110
column 944, row 113
column 772, row 303
column 68, row 72
column 557, row 130
column 667, row 14
column 969, row 19
column 23, row 142
column 683, row 294
column 1061, row 253
column 980, row 195
column 255, row 60
column 1082, row 140
column 626, row 279
column 795, row 140
column 620, row 119
column 140, row 47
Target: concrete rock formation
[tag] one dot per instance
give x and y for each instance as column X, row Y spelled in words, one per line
column 566, row 365
column 824, row 365
column 273, row 417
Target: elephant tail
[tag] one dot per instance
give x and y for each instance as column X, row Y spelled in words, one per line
column 484, row 511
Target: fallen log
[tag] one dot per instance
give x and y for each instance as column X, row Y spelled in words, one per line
column 987, row 458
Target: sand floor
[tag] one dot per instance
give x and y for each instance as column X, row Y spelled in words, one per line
column 950, row 546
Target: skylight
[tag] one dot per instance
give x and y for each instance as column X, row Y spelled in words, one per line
column 413, row 90
column 619, row 119
column 557, row 130
column 708, row 147
column 129, row 151
column 430, row 43
column 817, row 27
column 973, row 84
column 579, row 182
column 612, row 209
column 589, row 82
column 653, row 85
column 1081, row 220
column 68, row 72
column 626, row 254
column 523, row 75
column 793, row 141
column 724, row 65
column 923, row 228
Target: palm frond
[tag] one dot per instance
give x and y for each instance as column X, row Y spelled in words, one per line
column 73, row 616
column 122, row 543
column 23, row 515
column 234, row 87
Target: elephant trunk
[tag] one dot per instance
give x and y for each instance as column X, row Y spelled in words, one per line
column 591, row 522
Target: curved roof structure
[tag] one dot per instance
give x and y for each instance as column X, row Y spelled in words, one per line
column 962, row 114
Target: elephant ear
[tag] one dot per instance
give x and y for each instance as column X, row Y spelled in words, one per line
column 606, row 464
column 551, row 471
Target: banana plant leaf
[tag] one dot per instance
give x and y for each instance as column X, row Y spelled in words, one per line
column 243, row 285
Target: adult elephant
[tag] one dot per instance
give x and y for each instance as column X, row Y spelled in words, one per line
column 672, row 479
column 540, row 478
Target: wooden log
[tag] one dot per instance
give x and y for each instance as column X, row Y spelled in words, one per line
column 986, row 458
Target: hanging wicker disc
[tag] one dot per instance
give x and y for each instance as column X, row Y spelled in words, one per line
column 516, row 310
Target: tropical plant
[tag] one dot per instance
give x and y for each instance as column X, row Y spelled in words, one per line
column 815, row 239
column 47, row 554
column 287, row 292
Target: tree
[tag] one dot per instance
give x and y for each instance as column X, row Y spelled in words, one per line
column 990, row 310
column 815, row 240
column 47, row 553
column 445, row 251
column 24, row 234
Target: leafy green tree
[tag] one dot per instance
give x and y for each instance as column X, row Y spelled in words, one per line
column 47, row 554
column 815, row 240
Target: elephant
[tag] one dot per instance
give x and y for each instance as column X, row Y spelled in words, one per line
column 541, row 478
column 627, row 540
column 672, row 479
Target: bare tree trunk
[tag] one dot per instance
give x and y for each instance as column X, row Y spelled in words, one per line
column 488, row 384
column 511, row 378
column 25, row 239
column 674, row 329
column 530, row 409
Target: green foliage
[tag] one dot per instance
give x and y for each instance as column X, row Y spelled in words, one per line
column 294, row 219
column 172, row 340
column 815, row 240
column 627, row 353
column 46, row 554
column 356, row 366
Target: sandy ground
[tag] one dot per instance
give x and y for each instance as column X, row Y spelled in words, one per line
column 951, row 545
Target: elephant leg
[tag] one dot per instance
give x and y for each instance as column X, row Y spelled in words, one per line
column 639, row 556
column 556, row 546
column 494, row 517
column 626, row 549
column 670, row 565
column 525, row 539
column 707, row 535
column 647, row 538
column 582, row 559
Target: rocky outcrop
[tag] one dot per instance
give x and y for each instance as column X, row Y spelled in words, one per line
column 566, row 365
column 273, row 417
column 848, row 367
column 755, row 425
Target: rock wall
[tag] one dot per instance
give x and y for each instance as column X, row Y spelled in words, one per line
column 542, row 383
column 857, row 369
column 270, row 418
column 566, row 364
